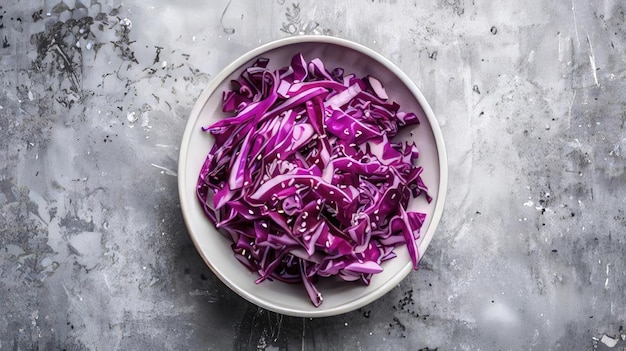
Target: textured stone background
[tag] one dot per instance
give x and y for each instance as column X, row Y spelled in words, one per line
column 531, row 98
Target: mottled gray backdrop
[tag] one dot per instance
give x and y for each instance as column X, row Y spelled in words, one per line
column 531, row 98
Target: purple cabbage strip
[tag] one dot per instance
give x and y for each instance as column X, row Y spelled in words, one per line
column 304, row 179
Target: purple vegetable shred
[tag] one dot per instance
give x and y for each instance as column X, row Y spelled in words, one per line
column 305, row 178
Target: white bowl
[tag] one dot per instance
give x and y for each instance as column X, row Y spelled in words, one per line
column 291, row 299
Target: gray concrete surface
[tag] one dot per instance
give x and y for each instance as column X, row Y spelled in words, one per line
column 531, row 98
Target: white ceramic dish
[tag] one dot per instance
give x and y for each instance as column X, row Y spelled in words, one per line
column 291, row 299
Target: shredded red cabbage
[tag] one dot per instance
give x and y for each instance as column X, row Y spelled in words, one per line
column 305, row 178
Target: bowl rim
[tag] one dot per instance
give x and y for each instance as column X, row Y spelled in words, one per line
column 414, row 90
